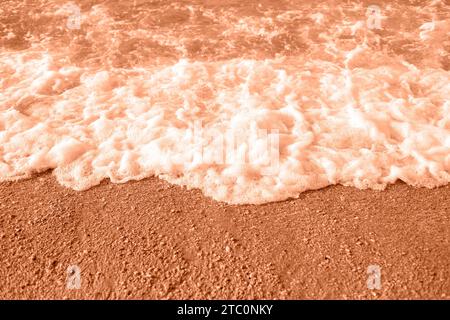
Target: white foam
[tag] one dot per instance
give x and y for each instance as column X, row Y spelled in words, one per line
column 359, row 136
column 351, row 120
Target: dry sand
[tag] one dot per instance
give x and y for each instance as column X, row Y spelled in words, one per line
column 152, row 240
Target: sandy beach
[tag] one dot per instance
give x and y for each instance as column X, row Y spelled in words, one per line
column 152, row 240
column 224, row 149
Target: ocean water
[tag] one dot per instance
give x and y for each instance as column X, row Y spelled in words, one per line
column 249, row 101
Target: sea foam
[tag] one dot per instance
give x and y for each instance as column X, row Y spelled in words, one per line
column 348, row 114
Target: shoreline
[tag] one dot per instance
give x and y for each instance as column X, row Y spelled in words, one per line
column 149, row 239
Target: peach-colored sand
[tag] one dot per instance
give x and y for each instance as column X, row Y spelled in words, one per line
column 149, row 239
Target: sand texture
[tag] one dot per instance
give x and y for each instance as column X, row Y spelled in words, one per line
column 153, row 240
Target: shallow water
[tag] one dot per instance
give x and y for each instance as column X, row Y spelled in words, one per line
column 250, row 101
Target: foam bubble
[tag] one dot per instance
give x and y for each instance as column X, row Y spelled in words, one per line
column 241, row 129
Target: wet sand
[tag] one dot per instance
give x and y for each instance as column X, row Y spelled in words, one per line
column 152, row 240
